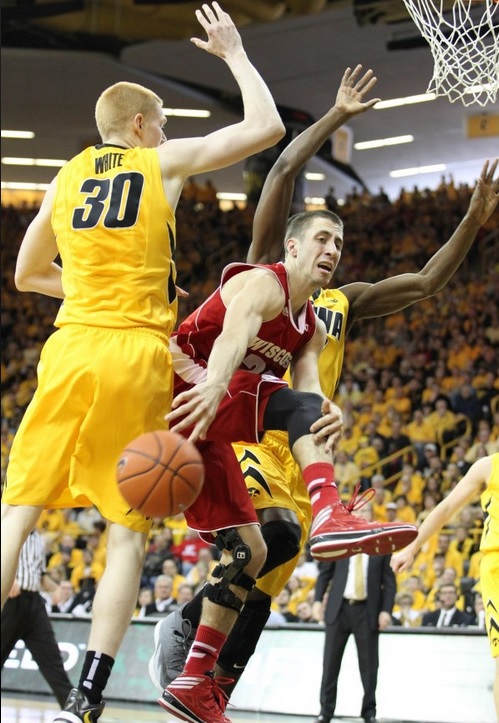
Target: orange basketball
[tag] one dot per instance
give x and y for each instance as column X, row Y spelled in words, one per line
column 160, row 473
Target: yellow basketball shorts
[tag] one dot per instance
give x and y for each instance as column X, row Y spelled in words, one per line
column 273, row 479
column 489, row 584
column 98, row 389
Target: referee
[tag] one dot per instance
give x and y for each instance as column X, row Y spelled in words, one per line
column 25, row 617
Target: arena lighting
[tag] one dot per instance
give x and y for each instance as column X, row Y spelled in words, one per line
column 394, row 141
column 187, row 112
column 19, row 186
column 48, row 162
column 18, row 134
column 222, row 196
column 418, row 170
column 315, row 176
column 408, row 100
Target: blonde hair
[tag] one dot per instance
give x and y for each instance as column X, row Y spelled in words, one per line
column 121, row 102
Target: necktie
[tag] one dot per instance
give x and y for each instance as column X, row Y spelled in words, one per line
column 359, row 587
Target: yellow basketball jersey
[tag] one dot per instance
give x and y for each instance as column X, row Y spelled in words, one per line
column 490, row 504
column 115, row 233
column 331, row 306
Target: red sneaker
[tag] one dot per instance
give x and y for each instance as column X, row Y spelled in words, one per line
column 337, row 533
column 195, row 698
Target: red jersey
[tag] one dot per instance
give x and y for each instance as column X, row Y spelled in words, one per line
column 270, row 352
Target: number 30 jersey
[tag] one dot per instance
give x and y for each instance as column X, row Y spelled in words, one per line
column 115, row 233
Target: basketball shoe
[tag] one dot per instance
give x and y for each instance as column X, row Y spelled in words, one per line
column 79, row 708
column 173, row 637
column 337, row 533
column 196, row 698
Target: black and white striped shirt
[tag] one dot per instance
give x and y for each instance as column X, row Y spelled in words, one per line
column 31, row 564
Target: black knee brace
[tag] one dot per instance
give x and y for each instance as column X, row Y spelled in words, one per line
column 243, row 639
column 283, row 543
column 293, row 412
column 231, row 574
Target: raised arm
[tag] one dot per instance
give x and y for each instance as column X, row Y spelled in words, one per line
column 394, row 294
column 271, row 215
column 260, row 128
column 466, row 490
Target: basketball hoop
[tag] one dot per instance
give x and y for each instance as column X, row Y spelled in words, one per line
column 464, row 40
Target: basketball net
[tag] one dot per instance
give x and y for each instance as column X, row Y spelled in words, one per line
column 464, row 40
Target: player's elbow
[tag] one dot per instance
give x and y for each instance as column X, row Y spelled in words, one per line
column 21, row 279
column 272, row 130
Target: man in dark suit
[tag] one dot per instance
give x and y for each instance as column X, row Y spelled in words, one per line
column 448, row 616
column 360, row 596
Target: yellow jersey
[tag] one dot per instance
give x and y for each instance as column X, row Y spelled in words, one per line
column 489, row 500
column 115, row 233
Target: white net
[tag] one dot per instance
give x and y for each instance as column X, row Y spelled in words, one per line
column 464, row 39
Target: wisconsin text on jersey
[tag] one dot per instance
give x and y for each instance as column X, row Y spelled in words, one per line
column 271, row 351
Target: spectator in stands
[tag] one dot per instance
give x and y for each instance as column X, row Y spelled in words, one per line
column 305, row 613
column 281, row 604
column 145, row 598
column 443, row 420
column 158, row 550
column 65, row 599
column 420, row 433
column 448, row 616
column 88, row 572
column 404, row 612
column 164, row 602
column 396, row 442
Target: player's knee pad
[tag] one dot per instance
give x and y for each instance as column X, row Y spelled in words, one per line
column 282, row 538
column 221, row 594
column 307, row 410
column 243, row 639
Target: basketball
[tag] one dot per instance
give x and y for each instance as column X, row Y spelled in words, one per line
column 160, row 473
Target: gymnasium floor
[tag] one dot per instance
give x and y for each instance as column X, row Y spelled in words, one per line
column 42, row 710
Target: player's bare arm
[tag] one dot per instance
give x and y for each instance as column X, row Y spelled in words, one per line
column 260, row 128
column 36, row 269
column 251, row 298
column 470, row 486
column 396, row 293
column 269, row 224
column 304, row 370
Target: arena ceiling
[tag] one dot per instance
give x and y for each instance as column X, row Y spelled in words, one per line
column 57, row 56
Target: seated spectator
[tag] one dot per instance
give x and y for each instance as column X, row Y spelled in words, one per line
column 201, row 572
column 67, row 557
column 145, row 598
column 163, row 603
column 482, row 445
column 444, row 421
column 87, row 572
column 185, row 593
column 396, row 442
column 448, row 615
column 187, row 552
column 281, row 605
column 420, row 433
column 64, row 598
column 405, row 511
column 346, row 472
column 170, row 567
column 158, row 550
column 304, row 612
column 404, row 612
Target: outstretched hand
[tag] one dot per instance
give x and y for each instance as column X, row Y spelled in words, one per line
column 223, row 37
column 486, row 194
column 195, row 408
column 353, row 89
column 328, row 429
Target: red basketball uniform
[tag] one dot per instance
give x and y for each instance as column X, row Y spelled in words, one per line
column 240, row 413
